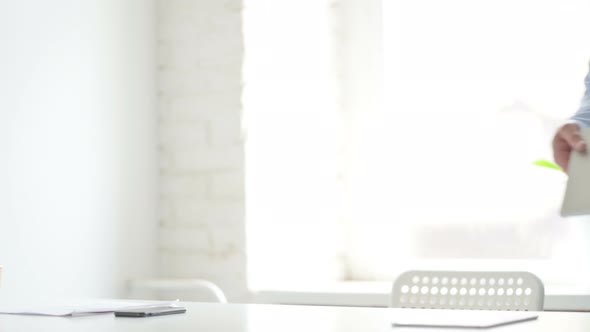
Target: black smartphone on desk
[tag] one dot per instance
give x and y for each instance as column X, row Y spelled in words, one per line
column 149, row 312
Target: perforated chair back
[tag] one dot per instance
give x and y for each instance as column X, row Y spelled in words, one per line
column 468, row 290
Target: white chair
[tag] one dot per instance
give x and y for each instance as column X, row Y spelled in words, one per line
column 194, row 290
column 468, row 290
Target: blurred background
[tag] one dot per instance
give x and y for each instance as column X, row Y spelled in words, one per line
column 280, row 148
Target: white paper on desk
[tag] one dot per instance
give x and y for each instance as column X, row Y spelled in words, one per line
column 81, row 308
column 576, row 200
column 460, row 318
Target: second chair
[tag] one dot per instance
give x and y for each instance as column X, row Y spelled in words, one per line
column 468, row 290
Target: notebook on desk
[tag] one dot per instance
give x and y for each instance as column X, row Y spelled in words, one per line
column 79, row 308
column 460, row 318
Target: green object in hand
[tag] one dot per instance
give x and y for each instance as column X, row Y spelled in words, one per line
column 547, row 164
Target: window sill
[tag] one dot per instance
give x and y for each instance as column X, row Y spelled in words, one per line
column 376, row 294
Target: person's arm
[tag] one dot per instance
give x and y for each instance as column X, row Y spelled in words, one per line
column 582, row 116
column 568, row 137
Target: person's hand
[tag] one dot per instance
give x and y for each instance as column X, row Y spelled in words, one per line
column 566, row 140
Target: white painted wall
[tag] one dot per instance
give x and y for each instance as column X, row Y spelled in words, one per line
column 77, row 143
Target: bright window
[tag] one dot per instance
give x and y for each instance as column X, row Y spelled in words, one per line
column 474, row 91
column 440, row 174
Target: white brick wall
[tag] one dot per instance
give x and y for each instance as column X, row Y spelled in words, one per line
column 200, row 52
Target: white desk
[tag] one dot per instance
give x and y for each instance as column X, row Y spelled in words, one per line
column 378, row 294
column 209, row 317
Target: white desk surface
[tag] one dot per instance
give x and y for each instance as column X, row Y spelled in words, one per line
column 210, row 317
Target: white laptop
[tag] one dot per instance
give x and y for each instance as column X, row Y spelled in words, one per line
column 460, row 318
column 576, row 200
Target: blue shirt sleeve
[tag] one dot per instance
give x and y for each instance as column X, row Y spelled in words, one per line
column 582, row 116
